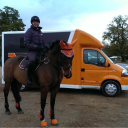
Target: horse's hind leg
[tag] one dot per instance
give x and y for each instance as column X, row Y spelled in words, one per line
column 15, row 87
column 6, row 92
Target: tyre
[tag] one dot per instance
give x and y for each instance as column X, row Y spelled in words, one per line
column 111, row 88
column 23, row 88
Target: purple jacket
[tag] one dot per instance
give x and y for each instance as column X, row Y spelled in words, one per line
column 33, row 39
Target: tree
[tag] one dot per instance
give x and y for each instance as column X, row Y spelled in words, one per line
column 9, row 21
column 117, row 35
column 111, row 50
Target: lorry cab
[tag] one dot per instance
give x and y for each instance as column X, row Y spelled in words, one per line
column 91, row 67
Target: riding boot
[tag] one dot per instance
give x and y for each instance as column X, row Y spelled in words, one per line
column 30, row 69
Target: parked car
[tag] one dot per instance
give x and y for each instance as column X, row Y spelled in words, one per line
column 114, row 58
column 123, row 65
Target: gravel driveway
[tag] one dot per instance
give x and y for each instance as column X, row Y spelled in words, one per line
column 74, row 108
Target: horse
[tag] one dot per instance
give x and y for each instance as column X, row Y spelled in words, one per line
column 47, row 77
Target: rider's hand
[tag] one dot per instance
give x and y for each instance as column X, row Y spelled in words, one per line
column 37, row 48
column 45, row 50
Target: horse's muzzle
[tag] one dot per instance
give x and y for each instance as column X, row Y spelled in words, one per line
column 68, row 76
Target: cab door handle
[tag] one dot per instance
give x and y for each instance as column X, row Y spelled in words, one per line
column 82, row 69
column 82, row 78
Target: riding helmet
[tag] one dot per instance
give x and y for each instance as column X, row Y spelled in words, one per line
column 35, row 18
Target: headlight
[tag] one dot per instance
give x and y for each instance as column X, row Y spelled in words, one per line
column 124, row 72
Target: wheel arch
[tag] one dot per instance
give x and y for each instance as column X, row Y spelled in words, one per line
column 111, row 80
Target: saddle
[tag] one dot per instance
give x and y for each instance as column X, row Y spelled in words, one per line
column 24, row 63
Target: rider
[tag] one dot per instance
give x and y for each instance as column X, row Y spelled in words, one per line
column 35, row 44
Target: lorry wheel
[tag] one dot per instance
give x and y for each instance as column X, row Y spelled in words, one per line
column 111, row 88
column 23, row 88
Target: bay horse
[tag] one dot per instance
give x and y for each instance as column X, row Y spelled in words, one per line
column 48, row 77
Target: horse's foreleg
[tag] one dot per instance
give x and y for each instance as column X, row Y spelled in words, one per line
column 15, row 87
column 52, row 104
column 43, row 103
column 6, row 92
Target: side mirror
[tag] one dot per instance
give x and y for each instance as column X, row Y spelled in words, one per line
column 107, row 64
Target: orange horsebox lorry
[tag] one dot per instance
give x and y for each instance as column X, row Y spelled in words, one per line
column 91, row 67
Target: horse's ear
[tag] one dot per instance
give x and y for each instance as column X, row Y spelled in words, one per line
column 74, row 42
column 62, row 44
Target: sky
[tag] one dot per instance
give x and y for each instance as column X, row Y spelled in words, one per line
column 91, row 16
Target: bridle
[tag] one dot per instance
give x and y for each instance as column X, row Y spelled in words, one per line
column 62, row 61
column 46, row 60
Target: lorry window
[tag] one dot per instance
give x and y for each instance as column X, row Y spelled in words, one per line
column 107, row 57
column 101, row 60
column 93, row 57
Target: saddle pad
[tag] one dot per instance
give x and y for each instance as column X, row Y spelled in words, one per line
column 24, row 63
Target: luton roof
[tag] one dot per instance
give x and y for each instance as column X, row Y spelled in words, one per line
column 86, row 40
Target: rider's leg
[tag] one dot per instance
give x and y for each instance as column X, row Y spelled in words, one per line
column 31, row 66
column 30, row 69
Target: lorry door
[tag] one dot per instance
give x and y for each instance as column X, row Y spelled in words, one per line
column 93, row 70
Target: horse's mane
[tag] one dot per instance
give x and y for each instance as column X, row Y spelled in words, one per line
column 56, row 43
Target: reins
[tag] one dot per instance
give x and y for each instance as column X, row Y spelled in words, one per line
column 66, row 49
column 58, row 66
column 46, row 60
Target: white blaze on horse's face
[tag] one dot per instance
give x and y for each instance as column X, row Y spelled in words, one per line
column 69, row 73
column 67, row 65
column 67, row 56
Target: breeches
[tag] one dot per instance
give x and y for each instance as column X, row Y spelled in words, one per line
column 32, row 56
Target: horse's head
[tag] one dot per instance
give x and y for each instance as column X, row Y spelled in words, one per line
column 67, row 54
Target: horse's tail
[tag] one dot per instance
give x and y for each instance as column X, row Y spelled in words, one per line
column 15, row 90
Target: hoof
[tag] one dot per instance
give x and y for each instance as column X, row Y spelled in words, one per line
column 54, row 122
column 20, row 112
column 43, row 124
column 8, row 113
